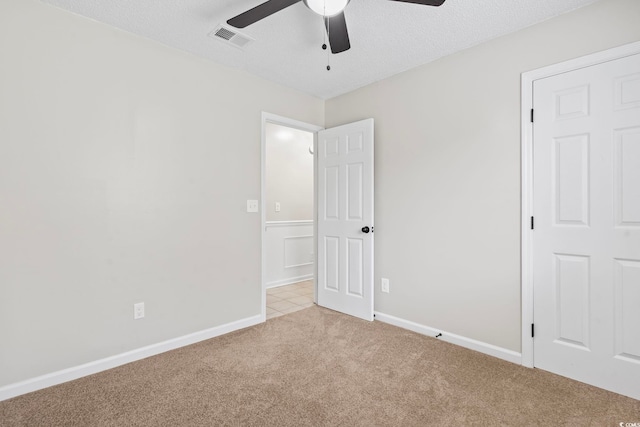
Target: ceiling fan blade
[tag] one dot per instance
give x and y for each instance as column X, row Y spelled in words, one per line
column 337, row 30
column 259, row 12
column 423, row 2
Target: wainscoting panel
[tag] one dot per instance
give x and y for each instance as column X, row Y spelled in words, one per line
column 289, row 252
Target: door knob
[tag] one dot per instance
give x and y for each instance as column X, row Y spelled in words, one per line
column 365, row 229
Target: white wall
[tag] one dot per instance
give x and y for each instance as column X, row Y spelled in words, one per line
column 125, row 167
column 448, row 172
column 289, row 173
column 289, row 253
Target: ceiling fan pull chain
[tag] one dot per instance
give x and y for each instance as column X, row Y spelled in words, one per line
column 324, row 35
column 324, row 44
column 328, row 23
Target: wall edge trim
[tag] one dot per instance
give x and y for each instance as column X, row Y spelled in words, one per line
column 289, row 281
column 69, row 374
column 471, row 344
column 291, row 223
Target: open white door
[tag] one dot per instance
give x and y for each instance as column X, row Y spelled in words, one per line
column 345, row 219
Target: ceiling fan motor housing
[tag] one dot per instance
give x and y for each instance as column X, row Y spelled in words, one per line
column 331, row 10
column 326, row 7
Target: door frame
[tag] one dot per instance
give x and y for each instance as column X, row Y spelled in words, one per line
column 296, row 124
column 526, row 139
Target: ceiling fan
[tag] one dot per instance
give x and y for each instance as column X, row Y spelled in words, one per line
column 331, row 10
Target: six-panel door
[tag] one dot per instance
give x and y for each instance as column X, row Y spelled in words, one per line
column 345, row 208
column 587, row 225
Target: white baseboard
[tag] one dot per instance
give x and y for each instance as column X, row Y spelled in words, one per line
column 69, row 374
column 289, row 281
column 482, row 347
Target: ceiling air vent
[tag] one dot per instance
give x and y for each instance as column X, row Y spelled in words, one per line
column 229, row 36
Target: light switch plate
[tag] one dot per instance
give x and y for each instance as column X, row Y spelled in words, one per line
column 252, row 206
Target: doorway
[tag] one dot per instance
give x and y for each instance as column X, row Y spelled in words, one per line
column 343, row 209
column 288, row 215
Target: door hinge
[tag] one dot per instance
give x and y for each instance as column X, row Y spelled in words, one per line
column 532, row 115
column 532, row 225
column 532, row 331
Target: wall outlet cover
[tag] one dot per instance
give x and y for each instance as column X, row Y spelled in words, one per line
column 138, row 310
column 384, row 285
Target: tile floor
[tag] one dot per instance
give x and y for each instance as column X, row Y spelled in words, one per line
column 290, row 298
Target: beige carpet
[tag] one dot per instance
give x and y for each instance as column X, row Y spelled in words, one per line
column 316, row 367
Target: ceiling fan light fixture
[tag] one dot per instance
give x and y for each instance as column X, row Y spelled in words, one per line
column 326, row 7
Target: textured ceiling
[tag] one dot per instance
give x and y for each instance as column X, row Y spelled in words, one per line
column 387, row 37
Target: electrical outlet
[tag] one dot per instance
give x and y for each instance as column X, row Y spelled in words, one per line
column 252, row 206
column 138, row 310
column 277, row 206
column 384, row 285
